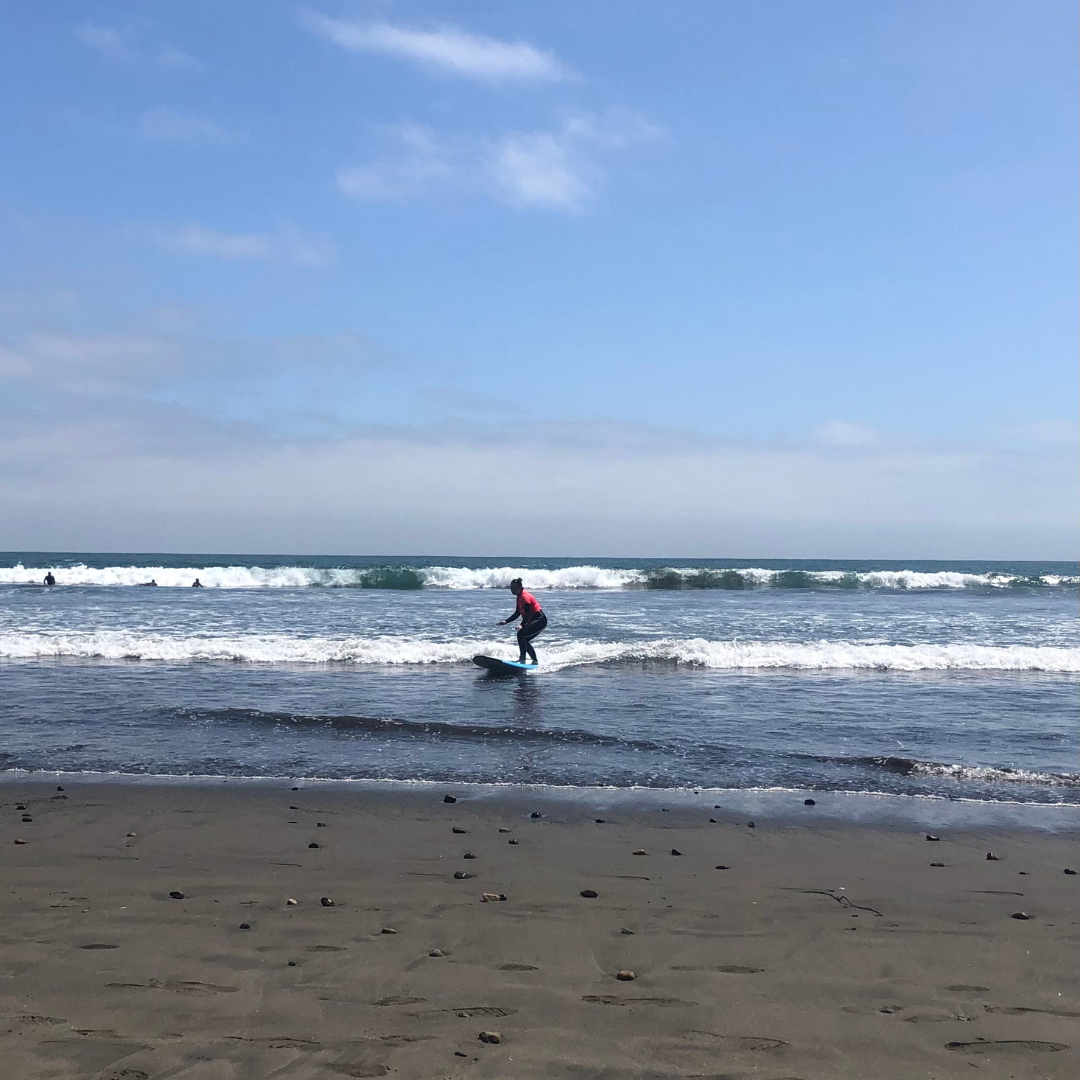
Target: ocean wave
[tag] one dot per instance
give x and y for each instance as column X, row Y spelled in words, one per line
column 694, row 652
column 499, row 577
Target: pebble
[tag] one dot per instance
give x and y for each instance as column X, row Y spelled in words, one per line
column 1020, row 915
column 459, row 1053
column 809, row 802
column 589, row 894
column 326, row 901
column 626, row 930
column 294, row 789
column 1071, row 873
column 991, row 857
column 320, row 824
column 245, row 926
column 457, row 829
column 675, row 851
column 27, row 817
column 131, row 834
column 20, row 806
column 600, row 821
column 625, row 976
column 504, row 830
column 292, row 963
column 449, row 798
column 436, row 952
column 536, row 814
column 722, row 867
column 294, row 807
column 313, row 844
column 460, row 875
column 468, row 855
column 751, row 825
column 291, row 902
column 176, row 894
column 490, row 1037
column 491, row 897
column 639, row 851
column 387, row 930
column 934, row 838
column 20, row 842
column 937, row 864
column 513, row 842
column 712, row 821
column 59, row 789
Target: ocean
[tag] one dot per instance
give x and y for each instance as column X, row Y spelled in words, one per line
column 931, row 680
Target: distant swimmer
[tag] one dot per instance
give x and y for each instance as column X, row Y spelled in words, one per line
column 145, row 584
column 196, row 584
column 532, row 617
column 49, row 579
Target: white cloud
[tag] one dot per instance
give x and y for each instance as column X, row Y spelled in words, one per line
column 443, row 49
column 559, row 169
column 167, row 125
column 121, row 45
column 288, row 246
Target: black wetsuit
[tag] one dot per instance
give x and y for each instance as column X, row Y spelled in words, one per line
column 533, row 620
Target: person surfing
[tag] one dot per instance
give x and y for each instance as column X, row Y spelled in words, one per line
column 532, row 617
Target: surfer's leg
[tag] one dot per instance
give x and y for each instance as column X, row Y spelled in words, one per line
column 527, row 633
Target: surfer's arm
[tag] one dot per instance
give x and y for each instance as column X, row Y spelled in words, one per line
column 512, row 618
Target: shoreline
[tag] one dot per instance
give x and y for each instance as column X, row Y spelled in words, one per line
column 825, row 947
column 782, row 805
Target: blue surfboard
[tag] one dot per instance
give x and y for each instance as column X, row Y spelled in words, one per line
column 502, row 667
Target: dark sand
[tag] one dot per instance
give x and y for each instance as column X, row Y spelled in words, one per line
column 755, row 971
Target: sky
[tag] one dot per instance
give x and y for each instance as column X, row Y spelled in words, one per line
column 713, row 278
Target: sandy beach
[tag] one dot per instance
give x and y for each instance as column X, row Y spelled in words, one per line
column 151, row 931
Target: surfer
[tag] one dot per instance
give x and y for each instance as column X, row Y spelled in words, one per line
column 49, row 579
column 532, row 617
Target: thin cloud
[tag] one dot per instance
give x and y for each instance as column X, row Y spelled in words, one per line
column 167, row 125
column 121, row 45
column 288, row 246
column 444, row 49
column 560, row 169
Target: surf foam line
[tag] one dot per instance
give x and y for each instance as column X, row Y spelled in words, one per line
column 695, row 652
column 499, row 577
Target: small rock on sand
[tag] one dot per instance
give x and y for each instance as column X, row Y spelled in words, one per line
column 20, row 842
column 932, row 838
column 675, row 851
column 504, row 830
column 491, row 897
column 131, row 834
column 536, row 814
column 751, row 825
column 490, row 1037
column 1020, row 915
column 313, row 844
column 320, row 824
column 937, row 864
column 625, row 976
column 387, row 930
column 513, row 842
column 457, row 829
column 20, row 806
column 626, row 930
column 600, row 821
column 176, row 894
column 461, row 875
column 639, row 851
column 589, row 894
column 1071, row 873
column 723, row 867
column 468, row 855
column 712, row 821
column 290, row 902
column 326, row 901
column 809, row 802
column 59, row 789
column 449, row 798
column 436, row 952
column 991, row 857
column 245, row 926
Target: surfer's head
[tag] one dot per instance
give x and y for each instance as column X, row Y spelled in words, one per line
column 516, row 586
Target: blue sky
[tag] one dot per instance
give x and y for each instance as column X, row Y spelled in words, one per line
column 713, row 278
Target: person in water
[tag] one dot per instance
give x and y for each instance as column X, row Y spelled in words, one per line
column 49, row 579
column 532, row 617
column 196, row 584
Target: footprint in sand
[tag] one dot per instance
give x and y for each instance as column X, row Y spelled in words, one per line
column 360, row 1069
column 518, row 967
column 611, row 999
column 1006, row 1046
column 727, row 969
column 1020, row 1010
column 735, row 1042
column 466, row 1012
column 398, row 1000
column 964, row 988
column 99, row 945
column 326, row 948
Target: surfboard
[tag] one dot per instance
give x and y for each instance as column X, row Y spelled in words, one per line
column 502, row 667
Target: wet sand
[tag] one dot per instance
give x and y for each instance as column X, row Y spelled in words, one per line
column 822, row 951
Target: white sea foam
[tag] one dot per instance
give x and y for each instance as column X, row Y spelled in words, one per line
column 990, row 774
column 698, row 652
column 499, row 577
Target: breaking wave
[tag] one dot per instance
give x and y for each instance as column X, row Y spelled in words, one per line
column 980, row 773
column 387, row 650
column 499, row 577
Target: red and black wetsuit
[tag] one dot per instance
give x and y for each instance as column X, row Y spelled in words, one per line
column 533, row 620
